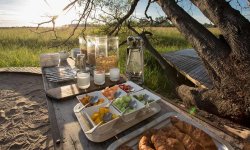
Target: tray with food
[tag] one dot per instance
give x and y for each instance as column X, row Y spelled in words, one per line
column 171, row 131
column 104, row 121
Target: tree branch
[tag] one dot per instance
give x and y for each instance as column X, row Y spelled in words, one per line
column 52, row 20
column 130, row 12
column 234, row 27
column 205, row 43
column 70, row 4
column 146, row 10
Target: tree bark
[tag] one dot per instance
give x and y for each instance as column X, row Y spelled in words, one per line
column 226, row 59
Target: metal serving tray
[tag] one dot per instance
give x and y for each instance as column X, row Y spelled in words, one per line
column 132, row 139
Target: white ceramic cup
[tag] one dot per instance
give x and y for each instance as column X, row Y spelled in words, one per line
column 83, row 80
column 99, row 77
column 114, row 74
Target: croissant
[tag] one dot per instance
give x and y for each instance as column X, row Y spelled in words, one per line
column 144, row 143
column 161, row 141
column 187, row 141
column 198, row 135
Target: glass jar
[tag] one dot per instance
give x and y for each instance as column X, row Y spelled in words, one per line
column 107, row 53
column 83, row 46
column 101, row 52
column 135, row 60
column 113, row 52
column 91, row 50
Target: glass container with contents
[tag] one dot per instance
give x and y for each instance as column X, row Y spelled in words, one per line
column 101, row 52
column 83, row 45
column 91, row 50
column 107, row 53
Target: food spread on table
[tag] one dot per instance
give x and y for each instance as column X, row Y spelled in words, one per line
column 109, row 92
column 97, row 117
column 178, row 136
column 122, row 103
column 125, row 87
column 143, row 98
column 86, row 100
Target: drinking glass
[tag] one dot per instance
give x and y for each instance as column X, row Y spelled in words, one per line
column 99, row 77
column 91, row 50
column 114, row 74
column 83, row 80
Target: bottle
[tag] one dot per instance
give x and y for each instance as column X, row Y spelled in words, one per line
column 80, row 62
column 135, row 60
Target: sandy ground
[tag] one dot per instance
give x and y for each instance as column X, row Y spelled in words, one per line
column 24, row 122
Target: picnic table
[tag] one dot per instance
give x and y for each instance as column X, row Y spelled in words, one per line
column 67, row 133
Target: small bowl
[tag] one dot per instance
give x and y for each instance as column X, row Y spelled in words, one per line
column 131, row 115
column 106, row 126
column 96, row 93
column 118, row 90
column 150, row 94
column 134, row 86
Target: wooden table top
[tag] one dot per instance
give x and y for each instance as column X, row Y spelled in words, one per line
column 67, row 133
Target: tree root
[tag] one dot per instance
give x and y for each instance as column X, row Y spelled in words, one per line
column 212, row 102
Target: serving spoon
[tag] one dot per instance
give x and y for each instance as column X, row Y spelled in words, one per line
column 132, row 104
column 92, row 101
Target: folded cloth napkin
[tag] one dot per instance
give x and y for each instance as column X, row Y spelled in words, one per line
column 49, row 59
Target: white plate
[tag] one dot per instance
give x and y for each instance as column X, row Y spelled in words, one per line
column 150, row 94
column 133, row 85
column 96, row 93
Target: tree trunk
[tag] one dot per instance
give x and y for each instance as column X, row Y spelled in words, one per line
column 227, row 59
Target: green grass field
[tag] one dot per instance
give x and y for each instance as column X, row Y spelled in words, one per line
column 21, row 47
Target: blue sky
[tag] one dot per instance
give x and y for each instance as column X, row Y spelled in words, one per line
column 31, row 12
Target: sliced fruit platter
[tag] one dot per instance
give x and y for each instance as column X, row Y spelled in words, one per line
column 103, row 109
